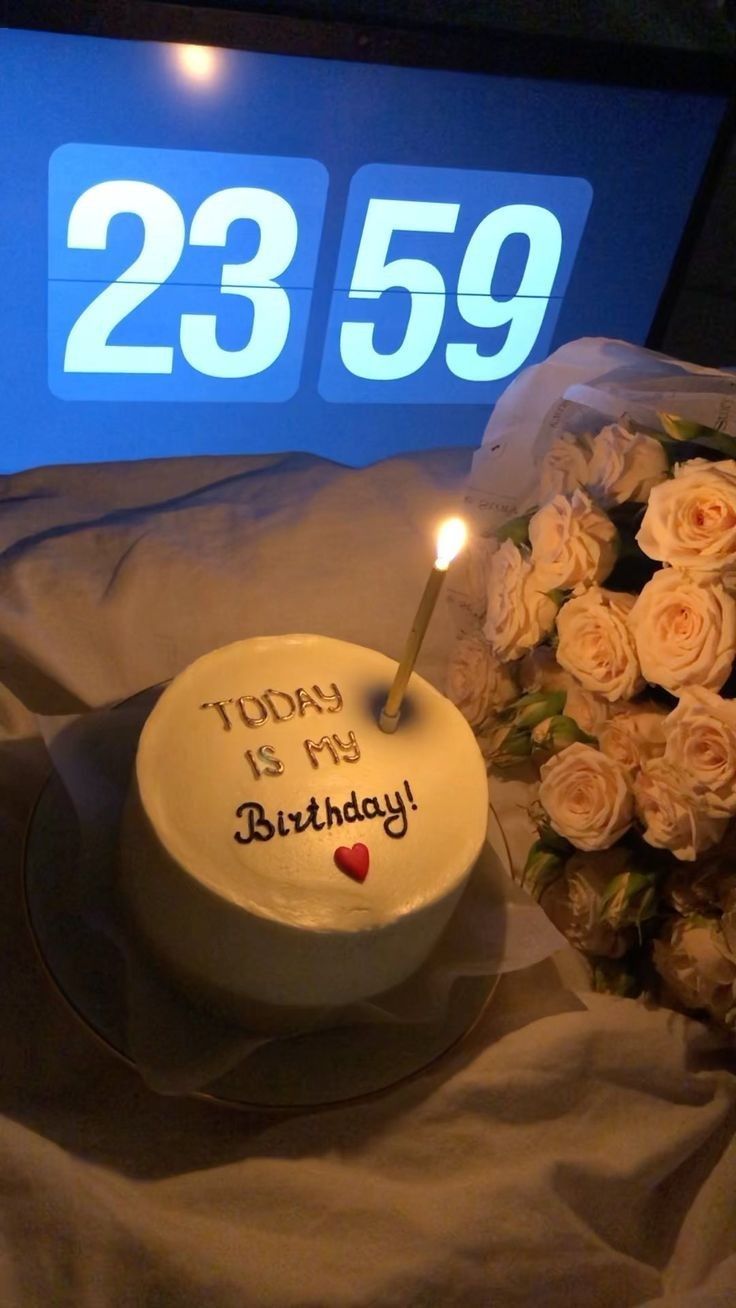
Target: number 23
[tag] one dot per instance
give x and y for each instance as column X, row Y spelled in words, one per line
column 88, row 349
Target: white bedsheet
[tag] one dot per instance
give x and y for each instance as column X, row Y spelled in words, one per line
column 576, row 1150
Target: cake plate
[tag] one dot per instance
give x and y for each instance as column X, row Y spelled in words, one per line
column 315, row 1070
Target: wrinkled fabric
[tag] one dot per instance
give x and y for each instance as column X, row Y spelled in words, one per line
column 572, row 1150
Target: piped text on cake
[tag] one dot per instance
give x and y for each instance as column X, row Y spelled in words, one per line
column 275, row 705
column 393, row 808
column 339, row 750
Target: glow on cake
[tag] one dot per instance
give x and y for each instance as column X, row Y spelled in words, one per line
column 283, row 856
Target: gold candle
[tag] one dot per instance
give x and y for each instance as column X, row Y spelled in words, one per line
column 450, row 539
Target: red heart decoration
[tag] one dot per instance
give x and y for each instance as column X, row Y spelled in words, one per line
column 353, row 862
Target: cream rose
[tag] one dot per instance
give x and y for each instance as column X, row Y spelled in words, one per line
column 633, row 735
column 573, row 542
column 685, row 631
column 518, row 613
column 690, row 521
column 701, row 743
column 586, row 797
column 477, row 682
column 708, row 884
column 589, row 711
column 624, row 465
column 698, row 963
column 564, row 467
column 574, row 903
column 671, row 817
column 468, row 577
column 596, row 643
column 539, row 670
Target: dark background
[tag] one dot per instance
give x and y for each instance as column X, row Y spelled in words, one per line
column 702, row 322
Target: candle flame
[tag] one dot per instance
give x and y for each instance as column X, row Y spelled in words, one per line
column 451, row 537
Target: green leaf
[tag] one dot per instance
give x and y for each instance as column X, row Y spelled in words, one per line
column 695, row 433
column 516, row 530
column 514, row 749
column 629, row 886
column 552, row 840
column 563, row 731
column 541, row 869
column 636, row 882
column 616, row 976
column 531, row 709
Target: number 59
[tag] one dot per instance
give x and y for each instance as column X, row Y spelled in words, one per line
column 374, row 274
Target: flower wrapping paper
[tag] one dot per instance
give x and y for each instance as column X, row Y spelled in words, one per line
column 595, row 658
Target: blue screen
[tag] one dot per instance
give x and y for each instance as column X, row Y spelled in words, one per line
column 216, row 251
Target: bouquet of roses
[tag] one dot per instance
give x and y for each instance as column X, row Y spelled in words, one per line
column 602, row 664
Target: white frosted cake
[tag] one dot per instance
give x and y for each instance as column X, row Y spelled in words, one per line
column 280, row 853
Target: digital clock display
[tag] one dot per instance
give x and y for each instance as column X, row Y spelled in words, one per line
column 176, row 275
column 349, row 259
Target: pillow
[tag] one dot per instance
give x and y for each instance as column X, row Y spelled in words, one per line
column 114, row 576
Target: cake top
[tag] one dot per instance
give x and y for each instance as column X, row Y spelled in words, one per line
column 265, row 775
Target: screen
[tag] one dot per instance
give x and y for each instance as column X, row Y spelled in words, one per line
column 216, row 251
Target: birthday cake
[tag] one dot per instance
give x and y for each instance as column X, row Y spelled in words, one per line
column 281, row 854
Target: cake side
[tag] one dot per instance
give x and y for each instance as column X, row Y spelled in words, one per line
column 235, row 959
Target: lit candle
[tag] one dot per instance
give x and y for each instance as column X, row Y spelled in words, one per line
column 450, row 539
